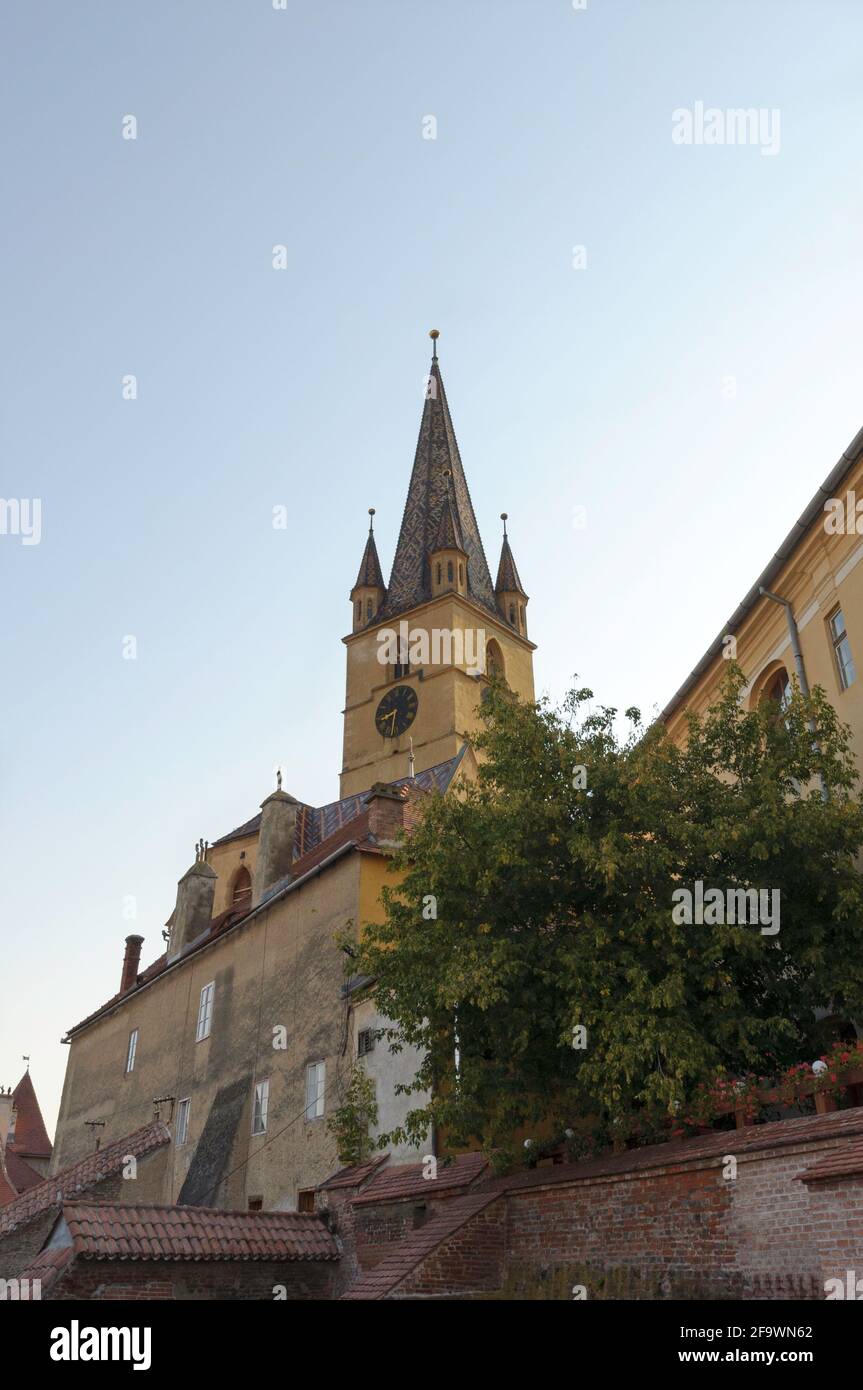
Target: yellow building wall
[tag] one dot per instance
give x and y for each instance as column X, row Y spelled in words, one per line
column 825, row 571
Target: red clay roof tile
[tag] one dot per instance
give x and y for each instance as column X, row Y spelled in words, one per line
column 31, row 1137
column 111, row 1231
column 82, row 1175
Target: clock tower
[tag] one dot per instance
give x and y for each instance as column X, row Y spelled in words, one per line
column 421, row 647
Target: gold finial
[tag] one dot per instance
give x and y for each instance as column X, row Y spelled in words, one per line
column 371, row 519
column 504, row 516
column 434, row 334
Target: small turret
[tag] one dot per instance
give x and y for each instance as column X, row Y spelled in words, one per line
column 447, row 556
column 511, row 598
column 369, row 592
column 275, row 840
column 194, row 910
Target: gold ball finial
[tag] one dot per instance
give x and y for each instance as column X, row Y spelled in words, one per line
column 434, row 333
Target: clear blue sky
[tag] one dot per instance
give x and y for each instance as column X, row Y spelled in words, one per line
column 599, row 387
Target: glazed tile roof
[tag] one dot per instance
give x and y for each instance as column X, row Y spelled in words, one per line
column 507, row 574
column 31, row 1137
column 842, row 1163
column 317, row 823
column 370, row 575
column 80, row 1176
column 436, row 452
column 406, row 1180
column 111, row 1231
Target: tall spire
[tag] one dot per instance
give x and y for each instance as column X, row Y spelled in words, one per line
column 431, row 494
column 370, row 575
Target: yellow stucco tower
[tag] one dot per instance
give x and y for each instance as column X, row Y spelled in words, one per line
column 422, row 646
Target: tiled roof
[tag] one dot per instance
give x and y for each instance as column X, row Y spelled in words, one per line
column 508, row 581
column 370, row 566
column 316, row 823
column 80, row 1176
column 406, row 1180
column 436, row 453
column 47, row 1267
column 411, row 1251
column 109, row 1231
column 841, row 1163
column 356, row 1175
column 8, row 1192
column 31, row 1137
column 20, row 1172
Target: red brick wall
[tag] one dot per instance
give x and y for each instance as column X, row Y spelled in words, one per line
column 473, row 1258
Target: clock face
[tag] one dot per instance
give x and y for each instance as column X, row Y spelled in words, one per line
column 396, row 711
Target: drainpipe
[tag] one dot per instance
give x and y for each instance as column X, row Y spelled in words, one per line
column 799, row 664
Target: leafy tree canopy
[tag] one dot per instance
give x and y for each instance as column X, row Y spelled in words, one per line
column 552, row 880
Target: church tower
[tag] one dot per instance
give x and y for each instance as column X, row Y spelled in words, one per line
column 421, row 647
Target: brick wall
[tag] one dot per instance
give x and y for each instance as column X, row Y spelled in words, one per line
column 472, row 1258
column 240, row 1280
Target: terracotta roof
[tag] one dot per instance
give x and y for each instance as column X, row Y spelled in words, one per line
column 841, row 1163
column 356, row 1175
column 8, row 1192
column 436, row 452
column 406, row 1180
column 20, row 1173
column 31, row 1137
column 411, row 1251
column 113, row 1231
column 80, row 1176
column 47, row 1267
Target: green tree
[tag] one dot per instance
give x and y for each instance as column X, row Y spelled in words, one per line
column 352, row 1122
column 553, row 877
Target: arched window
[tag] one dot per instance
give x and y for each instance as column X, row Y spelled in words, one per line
column 778, row 689
column 449, row 572
column 512, row 614
column 359, row 610
column 438, row 574
column 369, row 609
column 493, row 660
column 521, row 611
column 460, row 572
column 241, row 895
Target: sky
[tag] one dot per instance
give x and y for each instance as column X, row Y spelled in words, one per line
column 651, row 348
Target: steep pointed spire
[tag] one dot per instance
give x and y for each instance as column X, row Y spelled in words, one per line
column 449, row 535
column 431, row 494
column 370, row 575
column 508, row 581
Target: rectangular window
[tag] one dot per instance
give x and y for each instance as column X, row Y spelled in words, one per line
column 315, row 1086
column 132, row 1049
column 365, row 1041
column 205, row 1011
column 306, row 1200
column 842, row 650
column 262, row 1102
column 256, row 1204
column 183, row 1120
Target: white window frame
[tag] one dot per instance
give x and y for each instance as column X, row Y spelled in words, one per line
column 260, row 1106
column 184, row 1110
column 845, row 670
column 131, row 1052
column 205, row 1012
column 316, row 1085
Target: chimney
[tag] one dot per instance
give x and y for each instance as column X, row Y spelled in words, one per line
column 194, row 910
column 275, row 841
column 386, row 805
column 131, row 961
column 7, row 1110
